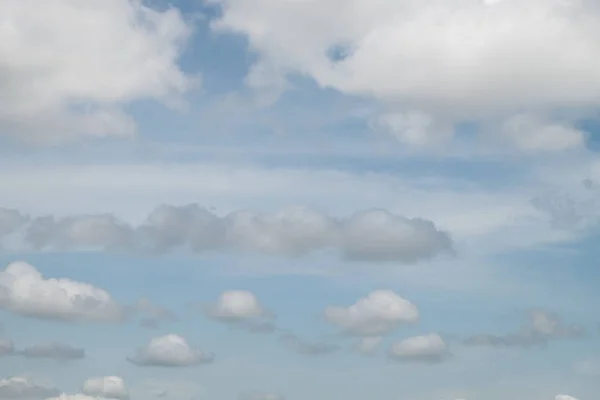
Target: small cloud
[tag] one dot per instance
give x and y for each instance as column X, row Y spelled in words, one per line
column 170, row 351
column 378, row 313
column 429, row 348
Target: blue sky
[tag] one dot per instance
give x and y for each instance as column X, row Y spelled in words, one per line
column 210, row 206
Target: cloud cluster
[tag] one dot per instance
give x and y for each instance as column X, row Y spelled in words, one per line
column 541, row 327
column 68, row 69
column 378, row 313
column 23, row 290
column 170, row 351
column 371, row 235
column 22, row 388
column 516, row 61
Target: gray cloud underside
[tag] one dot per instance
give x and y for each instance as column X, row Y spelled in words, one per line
column 370, row 235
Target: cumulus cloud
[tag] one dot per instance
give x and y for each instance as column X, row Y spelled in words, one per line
column 94, row 59
column 301, row 346
column 22, row 388
column 378, row 313
column 474, row 60
column 471, row 56
column 112, row 387
column 370, row 235
column 170, row 351
column 541, row 327
column 23, row 290
column 425, row 348
column 56, row 351
column 236, row 305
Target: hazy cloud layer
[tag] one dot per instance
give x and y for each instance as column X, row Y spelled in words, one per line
column 23, row 388
column 541, row 327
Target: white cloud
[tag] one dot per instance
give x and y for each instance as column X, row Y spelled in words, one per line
column 22, row 388
column 112, row 387
column 470, row 57
column 236, row 305
column 426, row 348
column 378, row 313
column 23, row 290
column 68, row 68
column 170, row 351
column 564, row 397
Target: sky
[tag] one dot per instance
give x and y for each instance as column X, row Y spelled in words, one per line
column 299, row 199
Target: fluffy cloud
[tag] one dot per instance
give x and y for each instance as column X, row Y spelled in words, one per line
column 540, row 328
column 371, row 235
column 112, row 387
column 378, row 313
column 236, row 305
column 487, row 61
column 23, row 388
column 425, row 348
column 56, row 351
column 170, row 351
column 70, row 68
column 472, row 56
column 23, row 290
